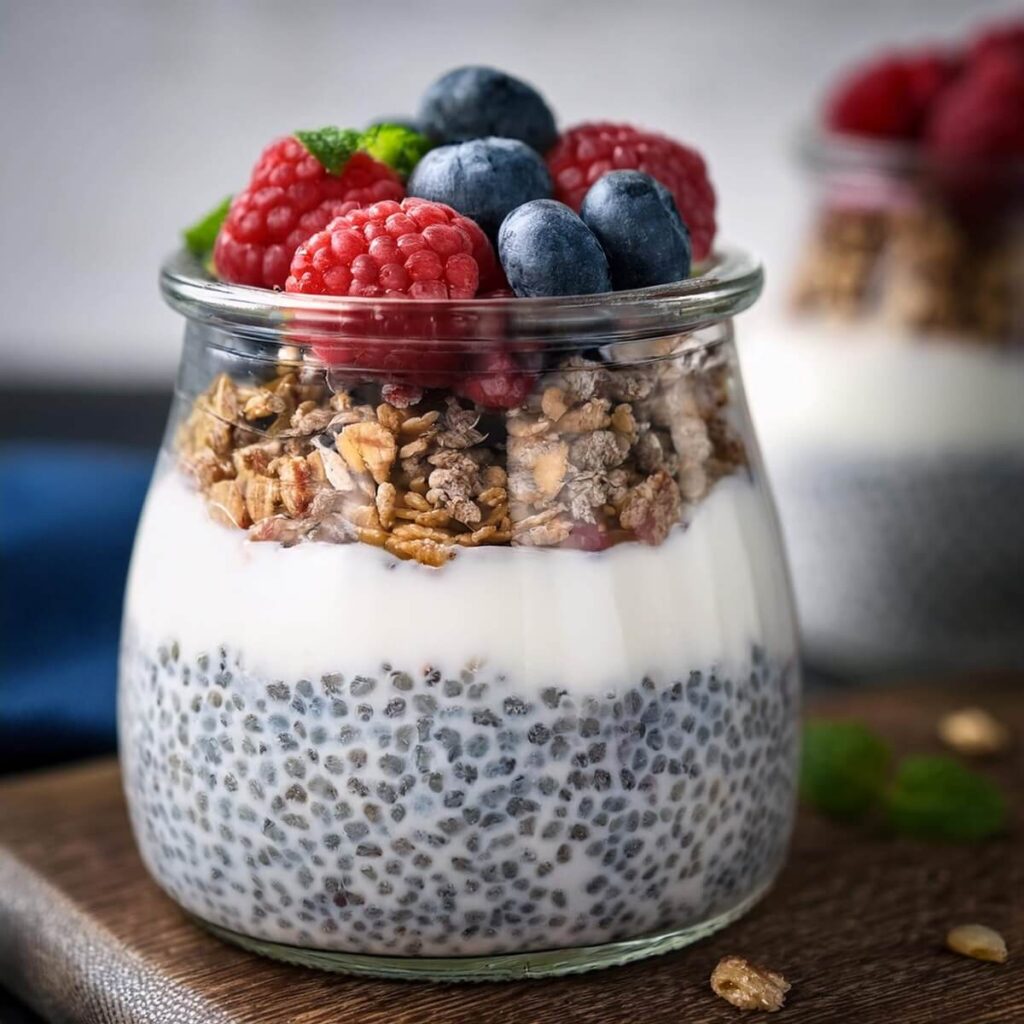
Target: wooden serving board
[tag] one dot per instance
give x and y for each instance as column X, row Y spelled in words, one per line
column 856, row 922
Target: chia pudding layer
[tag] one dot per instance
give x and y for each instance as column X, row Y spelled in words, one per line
column 329, row 747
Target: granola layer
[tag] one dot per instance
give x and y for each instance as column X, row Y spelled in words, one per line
column 598, row 455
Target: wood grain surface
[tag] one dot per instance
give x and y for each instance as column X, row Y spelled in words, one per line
column 856, row 922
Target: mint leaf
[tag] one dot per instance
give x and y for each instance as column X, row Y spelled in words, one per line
column 844, row 768
column 938, row 798
column 331, row 146
column 199, row 237
column 399, row 147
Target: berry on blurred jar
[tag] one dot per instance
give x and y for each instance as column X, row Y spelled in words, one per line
column 890, row 97
column 981, row 116
column 1004, row 38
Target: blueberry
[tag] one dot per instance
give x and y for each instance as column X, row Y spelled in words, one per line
column 485, row 179
column 636, row 221
column 546, row 249
column 473, row 102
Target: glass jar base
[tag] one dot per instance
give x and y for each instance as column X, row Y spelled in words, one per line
column 550, row 963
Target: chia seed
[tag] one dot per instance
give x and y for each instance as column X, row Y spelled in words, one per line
column 481, row 816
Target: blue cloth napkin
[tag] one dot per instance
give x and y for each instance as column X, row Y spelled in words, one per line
column 67, row 520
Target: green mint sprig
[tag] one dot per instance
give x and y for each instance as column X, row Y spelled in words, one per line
column 845, row 774
column 331, row 146
column 844, row 768
column 200, row 236
column 399, row 147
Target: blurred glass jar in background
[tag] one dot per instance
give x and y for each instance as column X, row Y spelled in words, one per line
column 891, row 409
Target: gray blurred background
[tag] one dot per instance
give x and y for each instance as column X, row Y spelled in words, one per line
column 123, row 121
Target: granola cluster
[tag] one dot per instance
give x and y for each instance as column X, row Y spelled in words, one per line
column 919, row 269
column 597, row 455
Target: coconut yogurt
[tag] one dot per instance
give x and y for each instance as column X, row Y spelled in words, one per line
column 708, row 593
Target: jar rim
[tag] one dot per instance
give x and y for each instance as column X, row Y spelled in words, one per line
column 729, row 283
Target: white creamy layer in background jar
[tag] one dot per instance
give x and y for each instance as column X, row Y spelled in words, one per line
column 898, row 467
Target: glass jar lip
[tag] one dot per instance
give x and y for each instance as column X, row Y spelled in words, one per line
column 728, row 283
column 824, row 150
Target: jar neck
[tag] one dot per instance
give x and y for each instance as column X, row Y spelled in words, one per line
column 917, row 248
column 897, row 177
column 250, row 319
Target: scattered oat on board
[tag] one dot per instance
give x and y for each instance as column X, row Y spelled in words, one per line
column 978, row 942
column 748, row 986
column 974, row 732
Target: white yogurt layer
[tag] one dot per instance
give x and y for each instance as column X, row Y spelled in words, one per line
column 581, row 620
column 865, row 391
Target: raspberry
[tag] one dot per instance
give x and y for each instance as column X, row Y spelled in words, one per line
column 497, row 383
column 492, row 277
column 587, row 151
column 890, row 97
column 414, row 249
column 588, row 537
column 981, row 116
column 290, row 196
column 401, row 396
column 928, row 73
column 1005, row 38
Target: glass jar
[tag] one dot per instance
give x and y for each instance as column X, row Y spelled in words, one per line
column 458, row 641
column 888, row 399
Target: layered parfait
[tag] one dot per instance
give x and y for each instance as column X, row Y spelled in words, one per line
column 888, row 394
column 457, row 625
